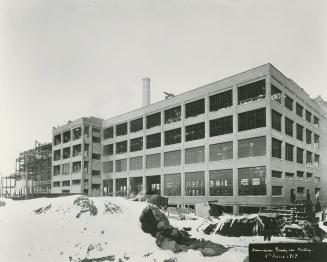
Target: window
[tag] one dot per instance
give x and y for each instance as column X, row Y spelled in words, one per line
column 66, row 169
column 136, row 144
column 300, row 174
column 121, row 165
column 276, row 148
column 276, row 190
column 121, row 129
column 309, row 176
column 316, row 141
column 316, row 121
column 308, row 116
column 66, row 136
column 77, row 150
column 96, row 139
column 300, row 190
column 194, row 184
column 96, row 156
column 136, row 185
column 66, row 153
column 86, row 131
column 289, row 152
column 317, row 179
column 299, row 155
column 173, row 115
column 153, row 141
column 309, row 159
column 195, row 108
column 221, row 182
column 108, row 150
column 153, row 120
column 121, row 186
column 172, row 158
column 299, row 110
column 289, row 175
column 108, row 167
column 153, row 161
column 136, row 125
column 252, row 119
column 276, row 174
column 108, row 133
column 308, row 135
column 276, row 120
column 76, row 182
column 316, row 161
column 276, row 94
column 86, row 150
column 299, row 132
column 221, row 151
column 66, row 183
column 252, row 147
column 172, row 184
column 221, row 100
column 77, row 133
column 289, row 103
column 121, row 147
column 252, row 91
column 56, row 170
column 252, row 181
column 96, row 130
column 194, row 155
column 288, row 126
column 136, row 163
column 56, row 184
column 173, row 136
column 76, row 167
column 194, row 132
column 95, row 187
column 221, row 126
column 57, row 139
column 56, row 155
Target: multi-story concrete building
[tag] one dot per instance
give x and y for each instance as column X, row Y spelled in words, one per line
column 251, row 140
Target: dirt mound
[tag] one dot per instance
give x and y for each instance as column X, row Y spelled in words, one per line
column 168, row 237
column 86, row 205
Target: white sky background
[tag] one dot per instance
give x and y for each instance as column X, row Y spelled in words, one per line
column 64, row 59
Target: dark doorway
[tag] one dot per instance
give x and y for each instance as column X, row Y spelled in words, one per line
column 153, row 184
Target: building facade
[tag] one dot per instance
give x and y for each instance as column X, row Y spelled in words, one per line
column 253, row 140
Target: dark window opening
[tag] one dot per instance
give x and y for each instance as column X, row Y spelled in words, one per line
column 172, row 115
column 153, row 141
column 66, row 153
column 121, row 129
column 289, row 152
column 221, row 100
column 96, row 130
column 77, row 167
column 252, row 119
column 276, row 148
column 108, row 133
column 251, row 92
column 136, row 144
column 289, row 103
column 153, row 120
column 316, row 121
column 108, row 150
column 56, row 155
column 252, row 181
column 221, row 182
column 276, row 190
column 299, row 132
column 221, row 126
column 121, row 165
column 66, row 136
column 173, row 136
column 276, row 94
column 66, row 183
column 308, row 135
column 289, row 175
column 56, row 170
column 300, row 174
column 77, row 150
column 276, row 120
column 121, row 186
column 136, row 185
column 136, row 125
column 288, row 126
column 77, row 133
column 308, row 116
column 276, row 174
column 57, row 139
column 194, row 132
column 172, row 184
column 96, row 156
column 221, row 151
column 299, row 110
column 251, row 147
column 121, row 147
column 153, row 185
column 195, row 108
column 316, row 141
column 96, row 139
column 299, row 155
column 108, row 187
column 309, row 159
column 194, row 184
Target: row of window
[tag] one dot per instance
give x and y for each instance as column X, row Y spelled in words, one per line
column 74, row 151
column 289, row 127
column 299, row 175
column 76, row 133
column 312, row 160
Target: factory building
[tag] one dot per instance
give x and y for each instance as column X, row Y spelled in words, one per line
column 251, row 140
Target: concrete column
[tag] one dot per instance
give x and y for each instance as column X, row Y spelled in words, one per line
column 162, row 137
column 183, row 153
column 268, row 137
column 235, row 148
column 207, row 135
column 144, row 156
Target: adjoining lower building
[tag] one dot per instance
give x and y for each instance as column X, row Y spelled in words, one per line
column 251, row 140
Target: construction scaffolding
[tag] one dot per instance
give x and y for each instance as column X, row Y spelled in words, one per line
column 33, row 171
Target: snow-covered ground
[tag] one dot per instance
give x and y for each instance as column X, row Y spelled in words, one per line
column 60, row 232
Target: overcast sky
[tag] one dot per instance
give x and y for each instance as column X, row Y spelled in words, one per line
column 64, row 59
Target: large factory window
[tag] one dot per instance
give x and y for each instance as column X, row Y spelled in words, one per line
column 108, row 187
column 300, row 174
column 136, row 125
column 66, row 183
column 56, row 170
column 172, row 184
column 289, row 152
column 77, row 167
column 299, row 110
column 276, row 94
column 66, row 153
column 316, row 141
column 316, row 121
column 66, row 136
column 309, row 160
column 77, row 133
column 288, row 126
column 153, row 161
column 252, row 91
column 195, row 108
column 299, row 155
column 56, row 184
column 153, row 120
column 221, row 126
column 108, row 150
column 194, row 155
column 136, row 163
column 66, row 169
column 276, row 190
column 96, row 139
column 121, row 165
column 308, row 116
column 108, row 133
column 252, row 181
column 251, row 147
column 57, row 139
column 221, row 100
column 121, row 186
column 121, row 129
column 316, row 161
column 299, row 132
column 289, row 103
column 194, row 184
column 173, row 136
column 56, row 155
column 136, row 144
column 96, row 174
column 276, row 148
column 108, row 167
column 153, row 184
column 276, row 174
column 276, row 120
column 194, row 132
column 77, row 150
column 172, row 158
column 121, row 147
column 221, row 182
column 136, row 185
column 221, row 151
column 173, row 115
column 153, row 141
column 252, row 119
column 308, row 136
